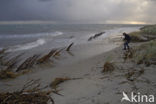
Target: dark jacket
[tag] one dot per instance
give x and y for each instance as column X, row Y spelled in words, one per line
column 127, row 38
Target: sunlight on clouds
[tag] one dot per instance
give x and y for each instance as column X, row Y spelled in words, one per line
column 136, row 22
column 125, row 22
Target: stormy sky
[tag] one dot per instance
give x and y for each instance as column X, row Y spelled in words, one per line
column 79, row 11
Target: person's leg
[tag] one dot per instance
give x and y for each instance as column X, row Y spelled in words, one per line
column 127, row 45
column 124, row 46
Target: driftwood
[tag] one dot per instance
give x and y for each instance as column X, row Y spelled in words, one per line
column 47, row 56
column 68, row 48
column 28, row 63
column 95, row 36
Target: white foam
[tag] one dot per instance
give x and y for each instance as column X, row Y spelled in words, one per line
column 27, row 46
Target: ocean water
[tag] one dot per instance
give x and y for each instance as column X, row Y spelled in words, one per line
column 17, row 37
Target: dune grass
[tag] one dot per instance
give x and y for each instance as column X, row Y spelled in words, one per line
column 31, row 93
column 6, row 74
column 146, row 33
column 58, row 81
column 150, row 29
column 146, row 53
column 137, row 36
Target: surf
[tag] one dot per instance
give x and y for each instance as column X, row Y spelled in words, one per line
column 27, row 46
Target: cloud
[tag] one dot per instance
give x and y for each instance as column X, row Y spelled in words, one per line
column 80, row 11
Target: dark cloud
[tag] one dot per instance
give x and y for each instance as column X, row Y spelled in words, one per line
column 79, row 11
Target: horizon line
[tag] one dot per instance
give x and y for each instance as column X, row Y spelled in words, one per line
column 54, row 22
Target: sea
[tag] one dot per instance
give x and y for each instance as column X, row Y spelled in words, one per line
column 18, row 37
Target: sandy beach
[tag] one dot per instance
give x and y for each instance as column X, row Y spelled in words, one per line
column 83, row 66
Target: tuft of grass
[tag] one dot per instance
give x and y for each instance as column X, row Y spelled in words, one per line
column 129, row 54
column 108, row 67
column 134, row 74
column 58, row 81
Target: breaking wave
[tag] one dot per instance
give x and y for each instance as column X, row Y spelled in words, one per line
column 27, row 46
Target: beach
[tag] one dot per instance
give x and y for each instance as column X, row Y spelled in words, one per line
column 83, row 67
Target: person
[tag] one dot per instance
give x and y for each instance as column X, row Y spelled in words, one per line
column 127, row 39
